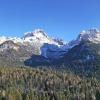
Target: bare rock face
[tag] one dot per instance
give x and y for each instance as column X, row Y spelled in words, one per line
column 38, row 48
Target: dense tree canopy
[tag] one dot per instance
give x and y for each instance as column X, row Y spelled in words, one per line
column 22, row 83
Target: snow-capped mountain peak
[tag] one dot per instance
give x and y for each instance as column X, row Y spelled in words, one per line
column 40, row 37
column 92, row 35
column 37, row 36
column 38, row 33
column 39, row 43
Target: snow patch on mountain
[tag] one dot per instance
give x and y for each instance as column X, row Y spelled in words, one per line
column 38, row 36
column 49, row 47
column 2, row 39
column 52, row 51
column 92, row 35
column 9, row 45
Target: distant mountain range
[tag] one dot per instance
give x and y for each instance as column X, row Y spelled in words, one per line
column 36, row 48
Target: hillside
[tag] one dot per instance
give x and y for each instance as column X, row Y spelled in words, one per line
column 37, row 67
column 46, row 84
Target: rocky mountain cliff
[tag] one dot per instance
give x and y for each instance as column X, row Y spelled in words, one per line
column 36, row 48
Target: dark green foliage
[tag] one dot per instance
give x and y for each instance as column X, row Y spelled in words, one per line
column 46, row 84
column 97, row 95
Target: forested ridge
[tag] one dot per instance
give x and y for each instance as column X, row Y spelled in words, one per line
column 20, row 83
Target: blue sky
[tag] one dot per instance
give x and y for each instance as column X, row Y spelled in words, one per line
column 59, row 18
